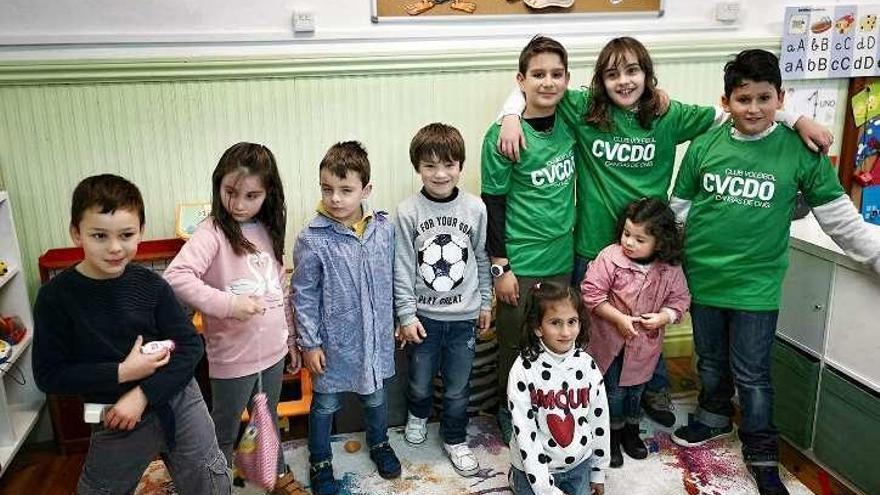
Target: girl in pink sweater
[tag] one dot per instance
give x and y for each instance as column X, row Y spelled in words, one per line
column 633, row 289
column 231, row 270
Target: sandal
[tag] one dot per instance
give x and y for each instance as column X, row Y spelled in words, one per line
column 287, row 485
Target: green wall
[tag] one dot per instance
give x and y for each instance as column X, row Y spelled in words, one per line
column 164, row 123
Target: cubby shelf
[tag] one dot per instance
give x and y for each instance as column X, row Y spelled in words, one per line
column 20, row 400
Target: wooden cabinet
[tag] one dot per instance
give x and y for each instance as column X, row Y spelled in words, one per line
column 20, row 400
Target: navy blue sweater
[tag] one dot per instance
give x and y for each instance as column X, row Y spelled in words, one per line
column 85, row 327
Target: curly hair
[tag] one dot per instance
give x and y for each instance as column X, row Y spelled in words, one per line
column 659, row 221
column 541, row 297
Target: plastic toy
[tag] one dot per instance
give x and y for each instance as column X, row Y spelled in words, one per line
column 157, row 346
column 5, row 350
column 4, row 268
column 12, row 329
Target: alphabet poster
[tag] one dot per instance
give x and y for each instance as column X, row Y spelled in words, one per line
column 830, row 42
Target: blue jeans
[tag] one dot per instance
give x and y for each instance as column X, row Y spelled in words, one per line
column 660, row 379
column 624, row 403
column 448, row 347
column 579, row 270
column 575, row 481
column 321, row 422
column 733, row 349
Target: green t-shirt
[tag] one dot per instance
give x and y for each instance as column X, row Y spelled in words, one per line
column 742, row 197
column 540, row 193
column 623, row 164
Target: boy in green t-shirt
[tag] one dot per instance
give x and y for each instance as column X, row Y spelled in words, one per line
column 529, row 203
column 736, row 189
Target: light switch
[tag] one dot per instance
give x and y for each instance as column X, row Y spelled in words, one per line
column 303, row 21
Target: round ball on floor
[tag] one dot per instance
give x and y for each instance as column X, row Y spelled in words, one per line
column 352, row 446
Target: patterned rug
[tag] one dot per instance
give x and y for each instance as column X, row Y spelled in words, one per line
column 713, row 469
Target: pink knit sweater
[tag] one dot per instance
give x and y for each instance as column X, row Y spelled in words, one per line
column 207, row 275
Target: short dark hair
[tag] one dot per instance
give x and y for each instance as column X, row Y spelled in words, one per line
column 538, row 45
column 437, row 140
column 347, row 156
column 752, row 65
column 107, row 192
column 659, row 221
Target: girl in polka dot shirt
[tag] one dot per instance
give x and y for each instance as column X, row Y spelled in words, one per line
column 557, row 401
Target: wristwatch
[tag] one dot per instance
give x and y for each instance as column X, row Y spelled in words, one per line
column 499, row 270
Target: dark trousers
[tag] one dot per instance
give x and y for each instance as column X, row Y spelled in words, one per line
column 733, row 349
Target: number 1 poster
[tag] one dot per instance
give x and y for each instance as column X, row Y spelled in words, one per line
column 830, row 42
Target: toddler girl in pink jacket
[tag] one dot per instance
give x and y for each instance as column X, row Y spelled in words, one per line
column 633, row 289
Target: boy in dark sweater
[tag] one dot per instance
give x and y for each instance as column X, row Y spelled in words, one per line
column 91, row 321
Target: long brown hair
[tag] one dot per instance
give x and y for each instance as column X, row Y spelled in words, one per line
column 251, row 159
column 599, row 113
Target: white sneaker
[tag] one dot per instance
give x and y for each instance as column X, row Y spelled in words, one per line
column 463, row 460
column 416, row 430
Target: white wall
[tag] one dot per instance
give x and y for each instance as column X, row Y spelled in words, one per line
column 60, row 29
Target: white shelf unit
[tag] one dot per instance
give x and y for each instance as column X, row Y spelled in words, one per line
column 20, row 400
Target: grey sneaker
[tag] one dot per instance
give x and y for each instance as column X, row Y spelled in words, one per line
column 463, row 459
column 416, row 430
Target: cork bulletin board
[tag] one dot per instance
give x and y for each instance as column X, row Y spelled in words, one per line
column 464, row 9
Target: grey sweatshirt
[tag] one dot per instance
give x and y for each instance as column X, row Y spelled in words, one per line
column 441, row 268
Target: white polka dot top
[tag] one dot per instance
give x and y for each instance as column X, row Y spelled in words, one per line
column 560, row 417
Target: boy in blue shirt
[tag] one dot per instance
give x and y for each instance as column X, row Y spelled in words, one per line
column 343, row 301
column 736, row 189
column 90, row 322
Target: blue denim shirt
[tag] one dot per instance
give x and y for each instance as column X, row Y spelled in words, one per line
column 343, row 301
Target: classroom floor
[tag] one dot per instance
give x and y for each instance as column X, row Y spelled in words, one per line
column 40, row 470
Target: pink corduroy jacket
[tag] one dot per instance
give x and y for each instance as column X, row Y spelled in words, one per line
column 614, row 278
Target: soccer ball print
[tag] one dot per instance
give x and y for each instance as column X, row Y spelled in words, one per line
column 442, row 260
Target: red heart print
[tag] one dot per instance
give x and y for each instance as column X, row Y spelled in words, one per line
column 561, row 429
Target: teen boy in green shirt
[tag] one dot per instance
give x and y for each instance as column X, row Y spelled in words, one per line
column 736, row 189
column 529, row 204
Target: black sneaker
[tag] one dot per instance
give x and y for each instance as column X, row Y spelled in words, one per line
column 616, row 455
column 386, row 461
column 696, row 433
column 658, row 406
column 631, row 443
column 322, row 480
column 767, row 479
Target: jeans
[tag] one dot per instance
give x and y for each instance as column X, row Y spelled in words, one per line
column 624, row 403
column 575, row 481
column 321, row 422
column 449, row 347
column 660, row 379
column 734, row 348
column 579, row 270
column 117, row 458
